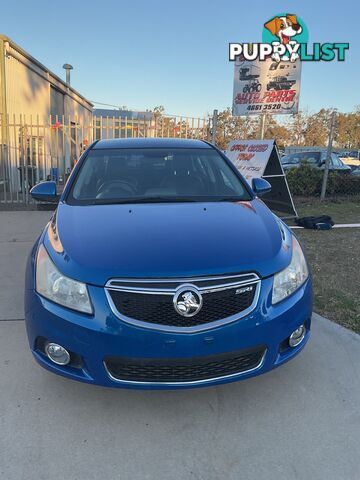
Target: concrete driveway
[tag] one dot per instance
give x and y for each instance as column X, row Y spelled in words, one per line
column 300, row 421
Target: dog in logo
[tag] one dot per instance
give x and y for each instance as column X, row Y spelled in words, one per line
column 285, row 28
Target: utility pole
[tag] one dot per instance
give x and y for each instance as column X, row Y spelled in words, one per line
column 4, row 148
column 328, row 155
column 3, row 110
column 262, row 126
column 214, row 125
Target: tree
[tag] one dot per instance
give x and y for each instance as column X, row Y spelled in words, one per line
column 297, row 126
column 301, row 129
column 347, row 134
column 231, row 128
column 317, row 129
column 273, row 130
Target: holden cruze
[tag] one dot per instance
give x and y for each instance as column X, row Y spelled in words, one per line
column 161, row 268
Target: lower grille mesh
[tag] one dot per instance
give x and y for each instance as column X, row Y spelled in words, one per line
column 183, row 370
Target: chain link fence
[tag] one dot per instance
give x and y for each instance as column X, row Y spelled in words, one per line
column 305, row 167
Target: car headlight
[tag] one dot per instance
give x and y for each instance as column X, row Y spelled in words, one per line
column 52, row 284
column 292, row 277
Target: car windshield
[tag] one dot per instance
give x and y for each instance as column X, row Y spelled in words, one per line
column 152, row 175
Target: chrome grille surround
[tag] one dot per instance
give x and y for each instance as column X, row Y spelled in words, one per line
column 169, row 286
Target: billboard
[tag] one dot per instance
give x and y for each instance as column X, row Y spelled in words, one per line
column 266, row 86
column 260, row 159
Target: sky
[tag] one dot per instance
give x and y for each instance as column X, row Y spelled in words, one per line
column 142, row 53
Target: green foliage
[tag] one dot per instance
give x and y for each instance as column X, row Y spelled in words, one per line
column 343, row 184
column 306, row 181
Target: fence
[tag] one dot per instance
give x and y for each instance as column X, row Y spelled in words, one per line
column 308, row 166
column 33, row 150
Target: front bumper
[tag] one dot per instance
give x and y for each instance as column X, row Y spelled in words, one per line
column 94, row 338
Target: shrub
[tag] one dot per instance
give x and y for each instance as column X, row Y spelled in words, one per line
column 343, row 184
column 306, row 181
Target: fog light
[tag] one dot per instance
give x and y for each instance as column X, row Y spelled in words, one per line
column 297, row 336
column 57, row 354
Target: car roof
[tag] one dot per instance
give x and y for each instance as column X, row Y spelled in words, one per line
column 314, row 150
column 150, row 143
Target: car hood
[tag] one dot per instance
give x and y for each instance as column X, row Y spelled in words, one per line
column 101, row 242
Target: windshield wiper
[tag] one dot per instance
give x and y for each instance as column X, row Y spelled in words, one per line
column 112, row 201
column 175, row 199
column 229, row 199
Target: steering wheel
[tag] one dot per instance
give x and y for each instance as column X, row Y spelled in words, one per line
column 107, row 189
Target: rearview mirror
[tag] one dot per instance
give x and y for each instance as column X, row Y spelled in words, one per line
column 260, row 186
column 45, row 191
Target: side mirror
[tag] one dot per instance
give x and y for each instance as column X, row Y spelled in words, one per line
column 260, row 186
column 45, row 191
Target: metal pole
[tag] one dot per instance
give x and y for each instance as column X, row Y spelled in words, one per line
column 3, row 109
column 328, row 156
column 67, row 68
column 214, row 125
column 4, row 125
column 262, row 126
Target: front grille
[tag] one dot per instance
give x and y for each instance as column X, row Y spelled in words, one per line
column 184, row 370
column 157, row 308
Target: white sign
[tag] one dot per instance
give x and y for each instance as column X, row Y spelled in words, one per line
column 260, row 158
column 250, row 157
column 266, row 87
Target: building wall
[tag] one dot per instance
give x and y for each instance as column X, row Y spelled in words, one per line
column 27, row 91
column 33, row 94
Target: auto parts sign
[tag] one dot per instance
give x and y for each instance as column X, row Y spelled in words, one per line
column 266, row 86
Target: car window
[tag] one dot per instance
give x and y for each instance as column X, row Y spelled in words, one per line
column 310, row 157
column 313, row 158
column 335, row 160
column 292, row 159
column 155, row 174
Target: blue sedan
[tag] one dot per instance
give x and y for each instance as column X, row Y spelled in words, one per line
column 162, row 268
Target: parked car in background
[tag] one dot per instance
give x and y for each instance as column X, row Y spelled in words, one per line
column 316, row 159
column 351, row 158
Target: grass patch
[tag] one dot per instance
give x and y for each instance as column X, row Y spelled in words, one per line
column 342, row 210
column 334, row 258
